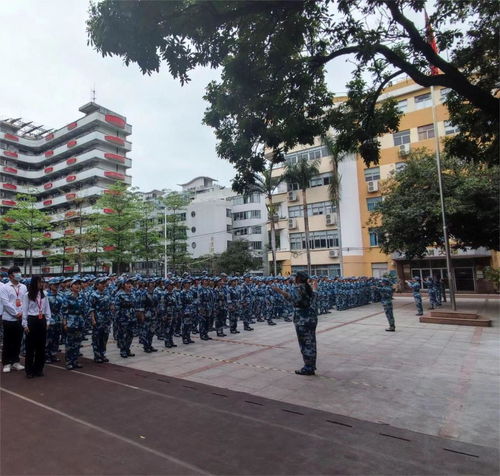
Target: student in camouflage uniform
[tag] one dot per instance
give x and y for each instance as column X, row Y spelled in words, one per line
column 386, row 291
column 126, row 317
column 414, row 284
column 188, row 301
column 73, row 314
column 54, row 331
column 100, row 309
column 431, row 288
column 148, row 325
column 305, row 320
column 220, row 309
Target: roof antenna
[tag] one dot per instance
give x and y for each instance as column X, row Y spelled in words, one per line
column 93, row 93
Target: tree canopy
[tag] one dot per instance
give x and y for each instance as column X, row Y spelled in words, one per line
column 237, row 259
column 409, row 217
column 273, row 94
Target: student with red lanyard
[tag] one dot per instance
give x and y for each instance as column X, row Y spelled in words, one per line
column 11, row 295
column 36, row 318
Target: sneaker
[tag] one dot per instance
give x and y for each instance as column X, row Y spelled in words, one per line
column 18, row 366
column 391, row 329
column 7, row 368
column 69, row 367
column 305, row 371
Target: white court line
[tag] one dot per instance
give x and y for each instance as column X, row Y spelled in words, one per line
column 172, row 459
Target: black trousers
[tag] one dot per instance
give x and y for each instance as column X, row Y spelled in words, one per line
column 12, row 337
column 35, row 345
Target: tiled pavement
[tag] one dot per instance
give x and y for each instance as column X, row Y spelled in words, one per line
column 436, row 379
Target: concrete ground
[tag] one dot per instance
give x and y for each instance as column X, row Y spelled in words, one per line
column 440, row 380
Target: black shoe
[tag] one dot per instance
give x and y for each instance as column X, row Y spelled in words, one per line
column 123, row 355
column 176, row 334
column 39, row 374
column 78, row 366
column 69, row 367
column 287, row 319
column 80, row 355
column 391, row 329
column 147, row 350
column 104, row 359
column 248, row 328
column 418, row 314
column 53, row 359
column 186, row 341
column 85, row 338
column 212, row 329
column 251, row 322
column 152, row 349
column 30, row 375
column 304, row 371
column 204, row 338
column 235, row 332
column 98, row 360
column 271, row 323
column 191, row 341
column 130, row 354
column 194, row 331
column 221, row 334
column 172, row 344
column 168, row 345
column 259, row 319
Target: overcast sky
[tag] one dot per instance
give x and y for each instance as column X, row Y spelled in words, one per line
column 48, row 72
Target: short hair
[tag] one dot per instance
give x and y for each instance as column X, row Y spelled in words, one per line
column 13, row 269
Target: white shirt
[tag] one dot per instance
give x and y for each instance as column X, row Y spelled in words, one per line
column 34, row 308
column 10, row 295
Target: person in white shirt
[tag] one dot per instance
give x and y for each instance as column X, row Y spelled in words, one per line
column 36, row 318
column 11, row 297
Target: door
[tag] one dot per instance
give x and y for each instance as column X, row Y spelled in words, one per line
column 464, row 279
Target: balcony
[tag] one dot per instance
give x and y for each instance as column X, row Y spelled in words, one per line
column 438, row 253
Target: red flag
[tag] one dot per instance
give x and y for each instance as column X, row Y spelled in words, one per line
column 431, row 40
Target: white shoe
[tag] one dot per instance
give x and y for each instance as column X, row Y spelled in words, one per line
column 18, row 366
column 6, row 368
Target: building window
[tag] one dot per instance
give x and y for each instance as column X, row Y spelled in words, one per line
column 330, row 270
column 193, row 245
column 372, row 203
column 317, row 240
column 400, row 166
column 254, row 213
column 426, row 132
column 402, row 105
column 379, row 269
column 256, row 230
column 246, row 215
column 193, row 214
column 324, row 179
column 444, row 93
column 318, row 208
column 402, row 137
column 374, row 236
column 423, row 101
column 292, row 186
column 255, row 245
column 449, row 128
column 228, row 213
column 372, row 174
column 193, row 229
column 240, row 231
column 308, row 154
column 229, row 228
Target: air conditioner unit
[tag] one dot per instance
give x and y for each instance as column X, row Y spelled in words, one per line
column 404, row 150
column 292, row 196
column 331, row 218
column 333, row 253
column 372, row 185
column 292, row 223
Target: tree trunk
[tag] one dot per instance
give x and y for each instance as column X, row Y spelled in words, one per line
column 339, row 231
column 306, row 230
column 273, row 234
column 25, row 260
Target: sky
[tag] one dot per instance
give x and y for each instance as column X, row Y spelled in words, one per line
column 48, row 72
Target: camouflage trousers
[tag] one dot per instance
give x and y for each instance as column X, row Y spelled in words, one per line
column 418, row 303
column 389, row 313
column 124, row 335
column 53, row 340
column 306, row 335
column 74, row 339
column 147, row 329
column 100, row 334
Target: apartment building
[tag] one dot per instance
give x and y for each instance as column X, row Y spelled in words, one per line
column 65, row 169
column 360, row 193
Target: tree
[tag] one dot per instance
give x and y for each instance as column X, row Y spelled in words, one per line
column 237, row 259
column 148, row 247
column 272, row 94
column 409, row 217
column 265, row 183
column 175, row 204
column 120, row 214
column 26, row 227
column 301, row 174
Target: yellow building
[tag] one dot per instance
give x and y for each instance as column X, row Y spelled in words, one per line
column 354, row 240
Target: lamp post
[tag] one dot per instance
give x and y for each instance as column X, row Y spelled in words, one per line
column 165, row 241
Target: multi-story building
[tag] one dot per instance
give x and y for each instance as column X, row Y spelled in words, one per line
column 65, row 169
column 215, row 217
column 360, row 193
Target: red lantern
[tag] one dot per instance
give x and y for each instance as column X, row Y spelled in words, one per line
column 109, row 211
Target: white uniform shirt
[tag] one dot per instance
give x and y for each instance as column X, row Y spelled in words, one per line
column 34, row 308
column 11, row 295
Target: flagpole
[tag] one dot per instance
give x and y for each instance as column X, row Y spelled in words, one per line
column 451, row 274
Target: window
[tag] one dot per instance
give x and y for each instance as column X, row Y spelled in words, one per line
column 449, row 128
column 193, row 245
column 240, row 231
column 317, row 240
column 330, row 270
column 229, row 228
column 193, row 229
column 308, row 154
column 228, row 213
column 444, row 93
column 320, row 180
column 402, row 105
column 372, row 174
column 256, row 230
column 426, row 132
column 318, row 208
column 423, row 101
column 400, row 166
column 374, row 236
column 292, row 186
column 254, row 213
column 255, row 245
column 379, row 269
column 294, row 212
column 402, row 137
column 372, row 203
column 193, row 214
column 246, row 215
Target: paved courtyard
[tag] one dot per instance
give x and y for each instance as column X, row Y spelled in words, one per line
column 440, row 380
